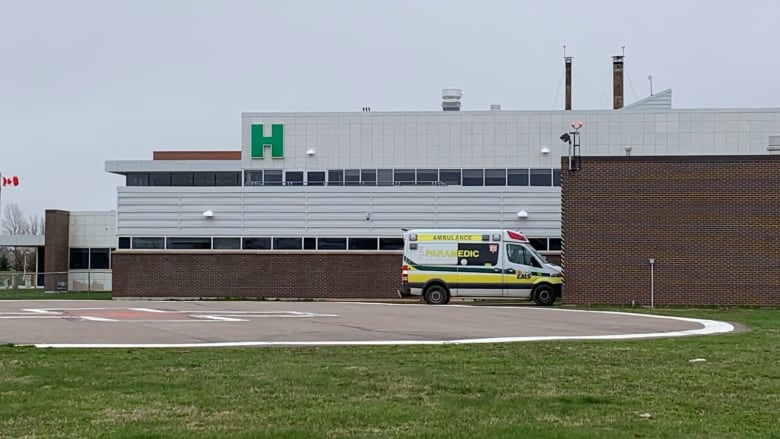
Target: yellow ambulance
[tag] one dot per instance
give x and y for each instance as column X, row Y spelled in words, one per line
column 439, row 264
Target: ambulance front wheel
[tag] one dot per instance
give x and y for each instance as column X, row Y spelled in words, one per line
column 436, row 295
column 544, row 295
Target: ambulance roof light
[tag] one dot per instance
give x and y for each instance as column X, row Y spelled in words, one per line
column 516, row 236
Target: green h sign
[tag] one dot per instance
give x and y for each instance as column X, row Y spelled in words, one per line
column 274, row 139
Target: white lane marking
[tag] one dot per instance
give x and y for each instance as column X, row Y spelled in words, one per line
column 95, row 319
column 161, row 311
column 220, row 318
column 29, row 316
column 40, row 311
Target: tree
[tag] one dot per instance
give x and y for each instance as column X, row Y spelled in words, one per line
column 14, row 222
column 4, row 264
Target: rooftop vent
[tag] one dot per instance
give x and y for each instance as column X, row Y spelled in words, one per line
column 495, row 107
column 450, row 99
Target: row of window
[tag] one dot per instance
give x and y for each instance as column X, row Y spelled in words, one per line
column 285, row 243
column 90, row 258
column 353, row 177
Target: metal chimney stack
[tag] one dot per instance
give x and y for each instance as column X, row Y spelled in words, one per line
column 617, row 82
column 567, row 60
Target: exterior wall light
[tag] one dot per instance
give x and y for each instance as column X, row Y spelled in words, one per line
column 310, row 152
column 522, row 214
column 545, row 150
column 208, row 214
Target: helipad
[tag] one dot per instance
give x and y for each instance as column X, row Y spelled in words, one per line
column 55, row 323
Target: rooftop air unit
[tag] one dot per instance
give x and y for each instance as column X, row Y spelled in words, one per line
column 450, row 99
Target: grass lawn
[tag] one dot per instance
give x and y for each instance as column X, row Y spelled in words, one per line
column 595, row 389
column 35, row 294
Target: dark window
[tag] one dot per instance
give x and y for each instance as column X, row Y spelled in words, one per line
column 203, row 179
column 124, row 242
column 137, row 179
column 352, row 177
column 272, row 177
column 495, row 177
column 385, row 177
column 403, row 176
column 287, row 243
column 149, row 243
column 450, row 176
column 226, row 178
column 195, row 243
column 182, row 179
column 310, row 243
column 518, row 254
column 391, row 243
column 336, row 177
column 362, row 244
column 315, row 178
column 556, row 177
column 473, row 177
column 293, row 178
column 427, row 176
column 100, row 258
column 332, row 243
column 227, row 243
column 257, row 243
column 79, row 258
column 253, row 178
column 517, row 177
column 538, row 243
column 368, row 177
column 555, row 244
column 159, row 179
column 541, row 177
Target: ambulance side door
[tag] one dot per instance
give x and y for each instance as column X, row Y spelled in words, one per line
column 518, row 268
column 479, row 271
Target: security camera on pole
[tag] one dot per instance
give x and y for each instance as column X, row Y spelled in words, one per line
column 573, row 139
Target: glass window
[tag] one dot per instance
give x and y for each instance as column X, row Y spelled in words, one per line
column 287, row 243
column 100, row 258
column 253, row 178
column 79, row 258
column 556, row 177
column 336, row 177
column 159, row 179
column 450, row 176
column 124, row 242
column 257, row 243
column 473, row 177
column 195, row 243
column 368, row 177
column 203, row 179
column 315, row 178
column 555, row 244
column 517, row 177
column 352, row 177
column 181, row 179
column 518, row 254
column 310, row 243
column 149, row 243
column 226, row 178
column 362, row 244
column 391, row 243
column 227, row 243
column 427, row 176
column 385, row 177
column 272, row 177
column 495, row 177
column 137, row 179
column 403, row 176
column 293, row 178
column 332, row 243
column 538, row 243
column 541, row 177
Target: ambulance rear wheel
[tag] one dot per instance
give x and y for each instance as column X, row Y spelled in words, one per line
column 436, row 295
column 544, row 295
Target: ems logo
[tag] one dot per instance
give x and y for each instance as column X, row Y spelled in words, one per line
column 493, row 248
column 273, row 139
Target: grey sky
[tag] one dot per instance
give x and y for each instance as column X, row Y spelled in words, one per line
column 82, row 82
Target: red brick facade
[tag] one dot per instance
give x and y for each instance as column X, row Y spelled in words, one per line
column 711, row 223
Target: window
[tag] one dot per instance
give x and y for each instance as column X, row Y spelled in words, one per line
column 79, row 258
column 287, row 243
column 315, row 178
column 182, row 179
column 227, row 243
column 159, row 179
column 309, row 243
column 538, row 243
column 517, row 177
column 403, row 176
column 556, row 177
column 555, row 244
column 203, row 179
column 148, row 243
column 518, row 254
column 253, row 178
column 473, row 177
column 272, row 177
column 352, row 177
column 495, row 177
column 226, row 178
column 293, row 178
column 368, row 177
column 385, row 177
column 100, row 258
column 450, row 176
column 362, row 244
column 196, row 243
column 124, row 242
column 257, row 244
column 541, row 177
column 336, row 177
column 427, row 176
column 137, row 179
column 391, row 243
column 332, row 243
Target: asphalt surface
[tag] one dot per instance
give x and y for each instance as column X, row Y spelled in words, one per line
column 146, row 323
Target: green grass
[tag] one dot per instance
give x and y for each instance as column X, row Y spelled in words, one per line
column 36, row 294
column 540, row 390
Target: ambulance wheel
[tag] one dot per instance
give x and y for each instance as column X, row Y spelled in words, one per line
column 544, row 295
column 436, row 295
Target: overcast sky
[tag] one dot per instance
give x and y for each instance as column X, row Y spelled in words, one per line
column 82, row 82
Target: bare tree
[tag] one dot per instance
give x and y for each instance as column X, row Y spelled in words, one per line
column 14, row 222
column 36, row 224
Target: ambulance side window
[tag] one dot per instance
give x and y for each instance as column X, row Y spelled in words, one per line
column 517, row 254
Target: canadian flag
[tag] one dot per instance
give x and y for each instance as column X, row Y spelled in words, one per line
column 11, row 181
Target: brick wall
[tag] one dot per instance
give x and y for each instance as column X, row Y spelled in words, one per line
column 56, row 248
column 256, row 274
column 712, row 224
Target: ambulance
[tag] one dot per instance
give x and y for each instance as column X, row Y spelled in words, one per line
column 439, row 264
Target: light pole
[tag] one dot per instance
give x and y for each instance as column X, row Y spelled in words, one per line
column 573, row 139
